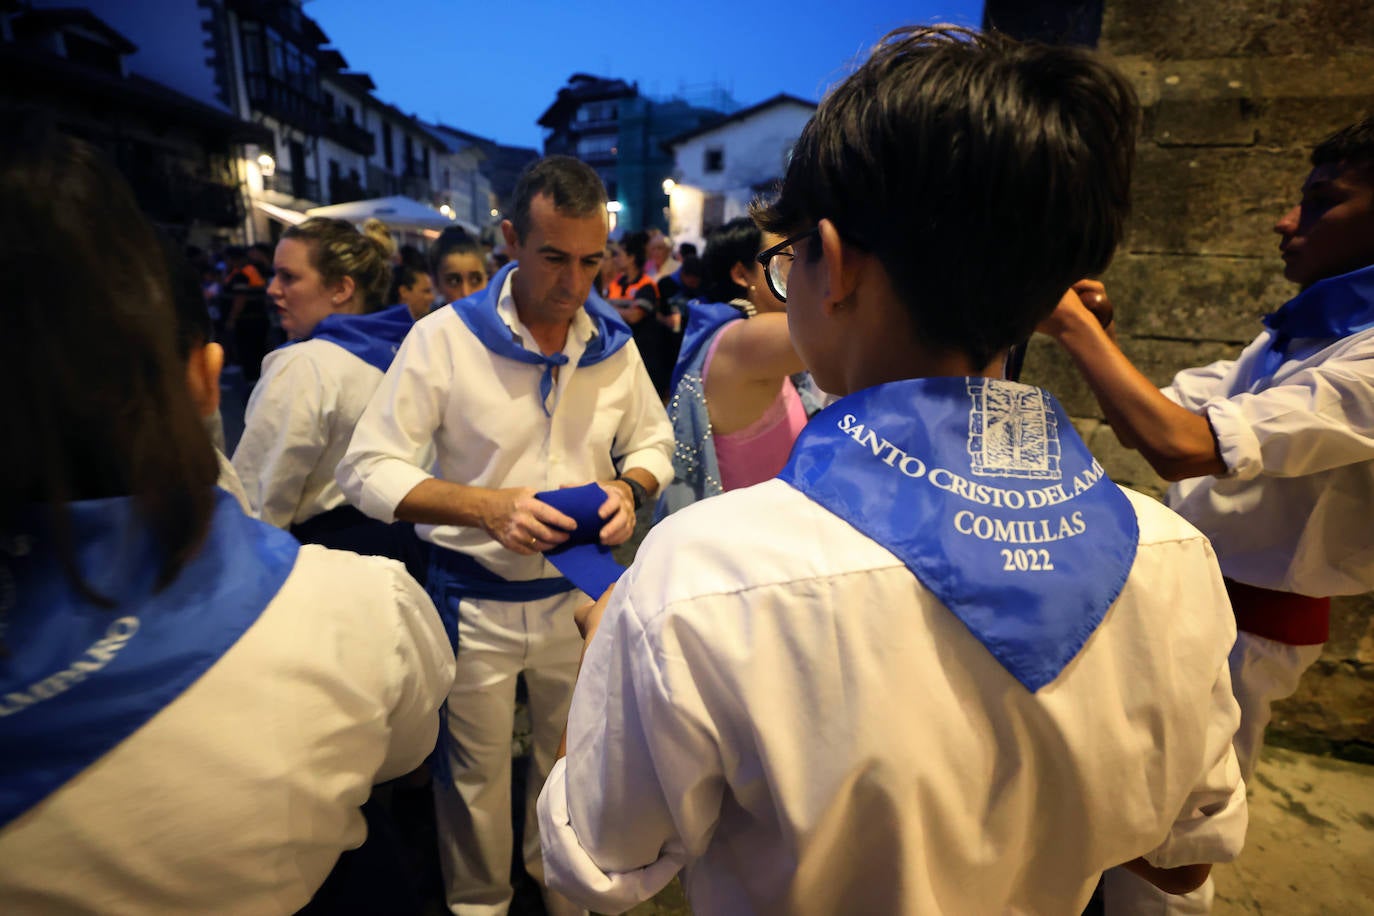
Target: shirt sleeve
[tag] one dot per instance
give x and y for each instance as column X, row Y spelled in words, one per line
column 389, row 454
column 1316, row 420
column 1212, row 823
column 1193, row 388
column 639, row 793
column 645, row 436
column 422, row 666
column 286, row 430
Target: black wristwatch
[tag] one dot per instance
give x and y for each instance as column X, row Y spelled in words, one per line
column 637, row 490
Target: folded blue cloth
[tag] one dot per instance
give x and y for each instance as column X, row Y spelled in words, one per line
column 585, row 561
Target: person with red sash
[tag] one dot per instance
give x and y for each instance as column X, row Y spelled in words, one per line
column 940, row 663
column 194, row 707
column 1272, row 453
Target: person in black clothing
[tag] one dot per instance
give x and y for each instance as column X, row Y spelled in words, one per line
column 635, row 296
column 244, row 305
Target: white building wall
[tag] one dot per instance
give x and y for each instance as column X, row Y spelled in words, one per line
column 754, row 149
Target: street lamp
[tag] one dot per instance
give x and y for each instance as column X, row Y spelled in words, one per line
column 447, row 211
column 267, row 165
column 668, row 185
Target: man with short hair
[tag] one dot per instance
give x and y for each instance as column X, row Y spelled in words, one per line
column 1273, row 452
column 941, row 664
column 531, row 384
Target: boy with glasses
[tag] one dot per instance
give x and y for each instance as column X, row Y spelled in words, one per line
column 941, row 664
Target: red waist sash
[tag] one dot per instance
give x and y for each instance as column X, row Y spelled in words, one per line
column 1296, row 620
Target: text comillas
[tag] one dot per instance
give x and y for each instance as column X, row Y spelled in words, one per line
column 981, row 520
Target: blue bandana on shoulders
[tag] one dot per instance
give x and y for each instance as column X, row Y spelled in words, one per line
column 373, row 338
column 1328, row 309
column 703, row 320
column 984, row 491
column 81, row 678
column 479, row 313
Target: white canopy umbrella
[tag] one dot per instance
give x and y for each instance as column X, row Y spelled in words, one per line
column 397, row 212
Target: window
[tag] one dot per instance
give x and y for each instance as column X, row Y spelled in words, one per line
column 329, row 103
column 600, row 144
column 276, row 55
column 308, row 81
column 409, row 154
column 387, row 155
column 293, row 67
column 348, row 114
column 425, row 161
column 714, row 160
column 252, row 47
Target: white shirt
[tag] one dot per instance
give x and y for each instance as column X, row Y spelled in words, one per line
column 299, row 420
column 483, row 415
column 774, row 702
column 229, row 482
column 239, row 796
column 1293, row 513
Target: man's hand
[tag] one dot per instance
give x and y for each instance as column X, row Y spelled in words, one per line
column 523, row 523
column 617, row 512
column 1085, row 300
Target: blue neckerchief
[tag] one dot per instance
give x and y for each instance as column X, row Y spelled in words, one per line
column 985, row 492
column 1328, row 309
column 373, row 338
column 82, row 678
column 479, row 313
column 703, row 320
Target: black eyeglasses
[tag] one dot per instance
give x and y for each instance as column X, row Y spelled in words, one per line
column 777, row 263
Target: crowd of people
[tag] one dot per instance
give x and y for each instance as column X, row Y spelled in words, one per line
column 895, row 644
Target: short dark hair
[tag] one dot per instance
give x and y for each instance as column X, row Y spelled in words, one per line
column 454, row 239
column 404, row 274
column 87, row 336
column 1353, row 145
column 575, row 188
column 736, row 242
column 691, row 267
column 687, row 250
column 986, row 176
column 636, row 245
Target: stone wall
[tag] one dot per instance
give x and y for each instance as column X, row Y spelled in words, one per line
column 1235, row 93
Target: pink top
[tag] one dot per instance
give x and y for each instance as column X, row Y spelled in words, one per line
column 759, row 451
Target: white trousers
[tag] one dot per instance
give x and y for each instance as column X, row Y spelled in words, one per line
column 498, row 640
column 1262, row 673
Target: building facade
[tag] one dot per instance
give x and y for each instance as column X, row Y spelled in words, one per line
column 719, row 169
column 182, row 156
column 620, row 132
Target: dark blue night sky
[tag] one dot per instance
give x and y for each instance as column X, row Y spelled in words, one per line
column 492, row 67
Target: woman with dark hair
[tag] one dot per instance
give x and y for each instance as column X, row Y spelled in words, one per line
column 330, row 280
column 458, row 265
column 736, row 409
column 194, row 706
